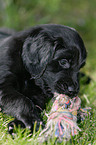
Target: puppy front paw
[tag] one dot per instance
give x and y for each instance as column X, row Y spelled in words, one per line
column 13, row 125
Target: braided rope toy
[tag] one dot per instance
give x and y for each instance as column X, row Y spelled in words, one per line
column 62, row 119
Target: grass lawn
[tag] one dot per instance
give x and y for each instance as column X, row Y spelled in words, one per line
column 78, row 14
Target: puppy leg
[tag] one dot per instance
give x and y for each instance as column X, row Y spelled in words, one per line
column 14, row 123
column 20, row 107
column 17, row 123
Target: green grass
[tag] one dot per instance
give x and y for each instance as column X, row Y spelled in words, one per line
column 80, row 14
column 85, row 137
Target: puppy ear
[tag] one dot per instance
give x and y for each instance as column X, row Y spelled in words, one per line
column 37, row 53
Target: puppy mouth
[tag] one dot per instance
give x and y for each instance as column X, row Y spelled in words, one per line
column 63, row 89
column 71, row 95
column 67, row 94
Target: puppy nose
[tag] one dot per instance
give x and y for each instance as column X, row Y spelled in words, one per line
column 70, row 89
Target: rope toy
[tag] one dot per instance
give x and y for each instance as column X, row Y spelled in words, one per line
column 62, row 119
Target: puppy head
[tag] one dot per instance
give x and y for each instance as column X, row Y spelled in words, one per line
column 54, row 56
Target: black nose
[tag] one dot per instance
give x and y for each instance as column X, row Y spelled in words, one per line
column 72, row 91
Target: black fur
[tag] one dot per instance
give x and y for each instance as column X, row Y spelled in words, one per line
column 33, row 65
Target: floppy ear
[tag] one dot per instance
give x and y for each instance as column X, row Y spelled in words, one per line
column 37, row 53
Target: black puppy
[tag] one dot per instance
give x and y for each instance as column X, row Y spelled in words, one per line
column 33, row 65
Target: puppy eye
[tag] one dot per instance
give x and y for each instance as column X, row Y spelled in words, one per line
column 64, row 63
